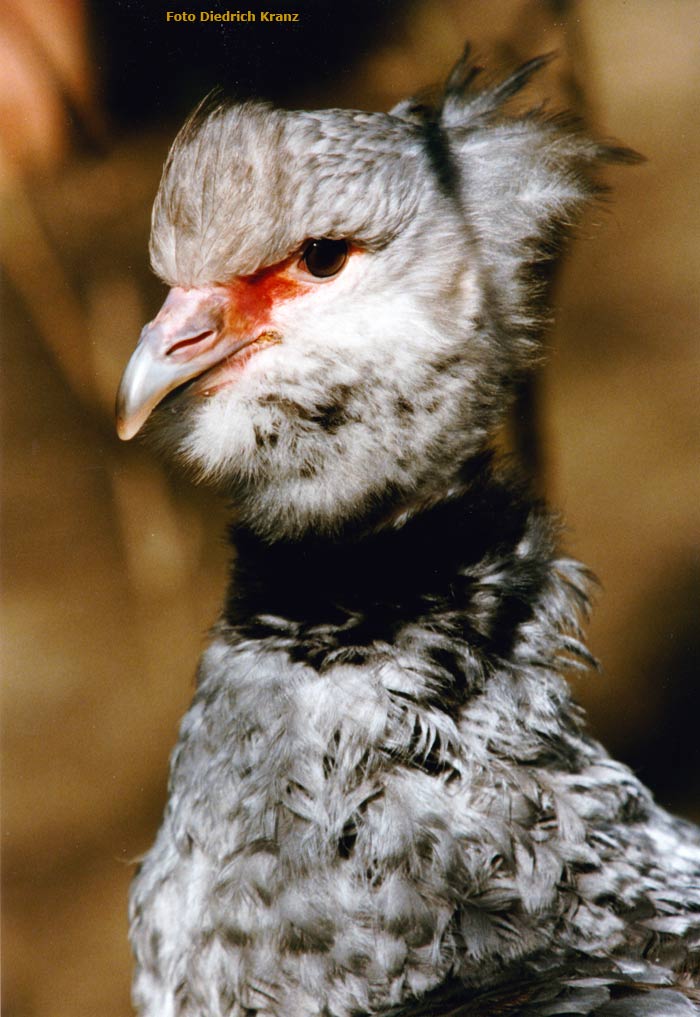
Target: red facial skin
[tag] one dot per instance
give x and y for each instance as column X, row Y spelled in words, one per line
column 206, row 335
column 247, row 311
column 252, row 297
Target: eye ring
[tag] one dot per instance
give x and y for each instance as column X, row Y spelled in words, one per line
column 325, row 257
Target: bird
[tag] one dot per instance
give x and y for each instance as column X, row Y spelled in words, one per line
column 383, row 799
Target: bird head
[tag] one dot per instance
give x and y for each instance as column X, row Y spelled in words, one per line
column 352, row 296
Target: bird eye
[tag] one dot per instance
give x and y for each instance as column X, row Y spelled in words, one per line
column 324, row 258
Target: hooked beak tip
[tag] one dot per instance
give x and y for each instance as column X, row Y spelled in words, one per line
column 140, row 390
column 126, row 430
column 182, row 342
column 129, row 421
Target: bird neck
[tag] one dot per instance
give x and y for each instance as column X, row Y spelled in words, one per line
column 475, row 563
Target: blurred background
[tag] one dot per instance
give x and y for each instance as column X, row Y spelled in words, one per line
column 113, row 566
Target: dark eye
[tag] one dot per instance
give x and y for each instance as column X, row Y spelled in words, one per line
column 324, row 258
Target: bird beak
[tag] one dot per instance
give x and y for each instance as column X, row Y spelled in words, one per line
column 186, row 338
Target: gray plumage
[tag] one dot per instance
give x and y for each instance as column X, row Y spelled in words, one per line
column 383, row 800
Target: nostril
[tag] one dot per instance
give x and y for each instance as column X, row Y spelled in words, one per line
column 190, row 341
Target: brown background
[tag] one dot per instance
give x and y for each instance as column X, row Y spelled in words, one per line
column 113, row 567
